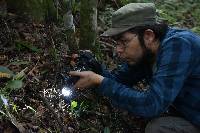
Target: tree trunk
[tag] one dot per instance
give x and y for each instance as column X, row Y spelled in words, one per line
column 70, row 28
column 88, row 27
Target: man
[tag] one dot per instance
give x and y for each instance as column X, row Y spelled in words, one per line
column 170, row 57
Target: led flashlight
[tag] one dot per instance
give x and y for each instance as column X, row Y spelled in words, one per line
column 66, row 91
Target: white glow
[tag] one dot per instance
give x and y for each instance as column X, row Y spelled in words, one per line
column 66, row 91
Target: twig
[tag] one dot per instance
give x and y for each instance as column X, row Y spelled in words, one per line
column 33, row 68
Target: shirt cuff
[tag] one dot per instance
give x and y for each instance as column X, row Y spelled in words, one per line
column 105, row 88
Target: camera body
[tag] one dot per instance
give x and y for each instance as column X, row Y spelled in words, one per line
column 86, row 61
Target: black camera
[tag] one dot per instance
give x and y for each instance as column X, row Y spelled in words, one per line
column 85, row 61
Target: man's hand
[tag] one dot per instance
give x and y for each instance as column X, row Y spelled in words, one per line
column 87, row 79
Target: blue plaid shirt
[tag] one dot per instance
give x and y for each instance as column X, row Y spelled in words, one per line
column 176, row 80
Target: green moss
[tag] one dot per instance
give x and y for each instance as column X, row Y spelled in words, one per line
column 88, row 24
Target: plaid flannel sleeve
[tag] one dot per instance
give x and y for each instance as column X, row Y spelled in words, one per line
column 173, row 66
column 123, row 74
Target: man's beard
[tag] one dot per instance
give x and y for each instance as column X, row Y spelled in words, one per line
column 146, row 62
column 147, row 59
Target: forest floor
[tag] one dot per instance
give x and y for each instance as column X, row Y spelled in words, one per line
column 37, row 49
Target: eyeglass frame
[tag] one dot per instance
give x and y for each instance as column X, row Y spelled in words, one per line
column 122, row 44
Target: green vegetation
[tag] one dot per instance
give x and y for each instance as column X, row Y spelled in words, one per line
column 180, row 13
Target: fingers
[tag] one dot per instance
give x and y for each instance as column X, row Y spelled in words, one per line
column 74, row 56
column 79, row 85
column 87, row 79
column 75, row 73
column 73, row 59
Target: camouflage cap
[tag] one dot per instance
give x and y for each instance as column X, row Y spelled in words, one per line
column 131, row 15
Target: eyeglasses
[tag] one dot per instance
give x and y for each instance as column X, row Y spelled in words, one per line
column 122, row 44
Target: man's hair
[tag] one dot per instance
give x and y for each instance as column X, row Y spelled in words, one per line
column 158, row 29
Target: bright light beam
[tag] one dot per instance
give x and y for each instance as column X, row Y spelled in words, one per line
column 66, row 91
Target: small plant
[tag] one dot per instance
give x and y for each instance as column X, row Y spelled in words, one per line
column 76, row 109
column 23, row 45
column 15, row 82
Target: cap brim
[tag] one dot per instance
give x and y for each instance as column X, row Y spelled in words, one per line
column 114, row 31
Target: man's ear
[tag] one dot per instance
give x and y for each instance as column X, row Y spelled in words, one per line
column 149, row 37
